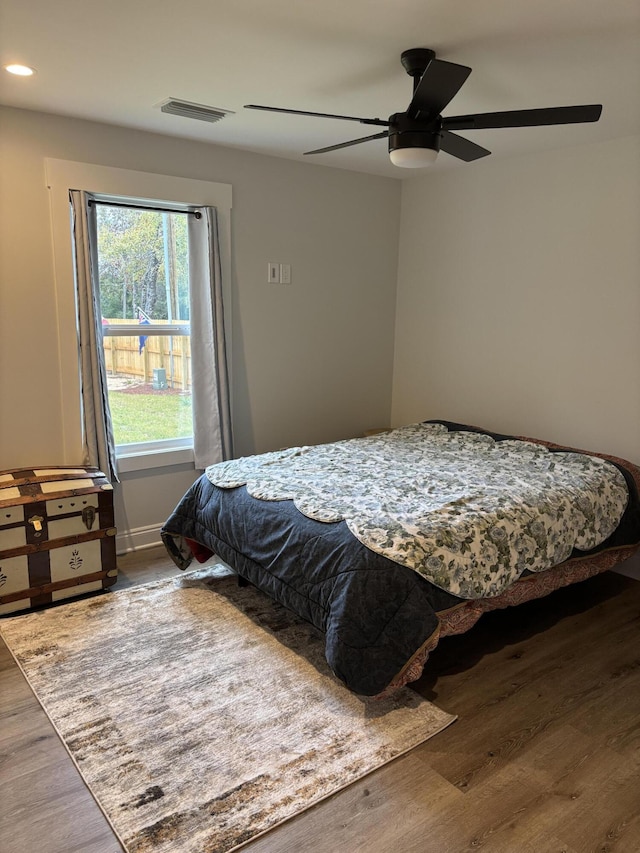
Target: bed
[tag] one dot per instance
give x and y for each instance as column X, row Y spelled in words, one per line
column 389, row 542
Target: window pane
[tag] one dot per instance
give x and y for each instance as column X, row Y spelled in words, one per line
column 144, row 278
column 149, row 382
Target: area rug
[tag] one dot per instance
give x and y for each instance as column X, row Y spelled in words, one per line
column 201, row 714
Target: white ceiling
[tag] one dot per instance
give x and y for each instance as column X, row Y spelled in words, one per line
column 116, row 60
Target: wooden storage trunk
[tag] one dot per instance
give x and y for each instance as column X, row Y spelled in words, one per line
column 57, row 535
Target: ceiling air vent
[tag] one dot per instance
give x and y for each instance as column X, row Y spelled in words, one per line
column 187, row 109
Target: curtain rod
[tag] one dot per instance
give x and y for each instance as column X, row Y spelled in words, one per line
column 195, row 213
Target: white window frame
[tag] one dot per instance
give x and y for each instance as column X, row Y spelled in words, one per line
column 134, row 452
column 135, row 187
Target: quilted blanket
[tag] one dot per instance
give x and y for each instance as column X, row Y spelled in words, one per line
column 467, row 512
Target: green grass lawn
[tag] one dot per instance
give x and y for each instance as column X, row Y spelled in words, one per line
column 150, row 417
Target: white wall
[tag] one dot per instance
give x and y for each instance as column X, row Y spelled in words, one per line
column 312, row 361
column 519, row 297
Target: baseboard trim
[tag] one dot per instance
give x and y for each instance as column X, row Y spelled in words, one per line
column 138, row 539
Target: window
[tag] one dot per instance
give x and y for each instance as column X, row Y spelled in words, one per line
column 143, row 280
column 85, row 417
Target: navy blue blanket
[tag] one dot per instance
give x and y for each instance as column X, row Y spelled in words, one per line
column 374, row 613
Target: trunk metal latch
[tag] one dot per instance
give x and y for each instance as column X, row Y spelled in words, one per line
column 88, row 516
column 36, row 522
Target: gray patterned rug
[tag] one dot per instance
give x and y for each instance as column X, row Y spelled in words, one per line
column 201, row 714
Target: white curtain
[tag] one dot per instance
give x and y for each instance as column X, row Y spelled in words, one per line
column 212, row 436
column 98, row 442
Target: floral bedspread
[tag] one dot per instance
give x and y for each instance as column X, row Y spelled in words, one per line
column 469, row 513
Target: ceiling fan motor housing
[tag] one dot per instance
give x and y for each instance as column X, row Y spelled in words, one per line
column 405, row 132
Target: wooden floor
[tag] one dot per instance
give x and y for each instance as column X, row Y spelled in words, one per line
column 545, row 755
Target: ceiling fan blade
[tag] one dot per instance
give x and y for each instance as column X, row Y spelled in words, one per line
column 461, row 148
column 440, row 82
column 525, row 118
column 377, row 121
column 347, row 144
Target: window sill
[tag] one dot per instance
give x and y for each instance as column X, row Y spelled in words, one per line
column 128, row 462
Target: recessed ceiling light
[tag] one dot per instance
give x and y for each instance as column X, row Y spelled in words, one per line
column 20, row 70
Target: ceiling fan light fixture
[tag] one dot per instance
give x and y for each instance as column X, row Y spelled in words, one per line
column 411, row 147
column 413, row 158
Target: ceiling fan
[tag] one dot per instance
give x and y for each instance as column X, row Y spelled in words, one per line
column 416, row 135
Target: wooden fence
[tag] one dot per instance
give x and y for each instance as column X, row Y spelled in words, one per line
column 171, row 354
